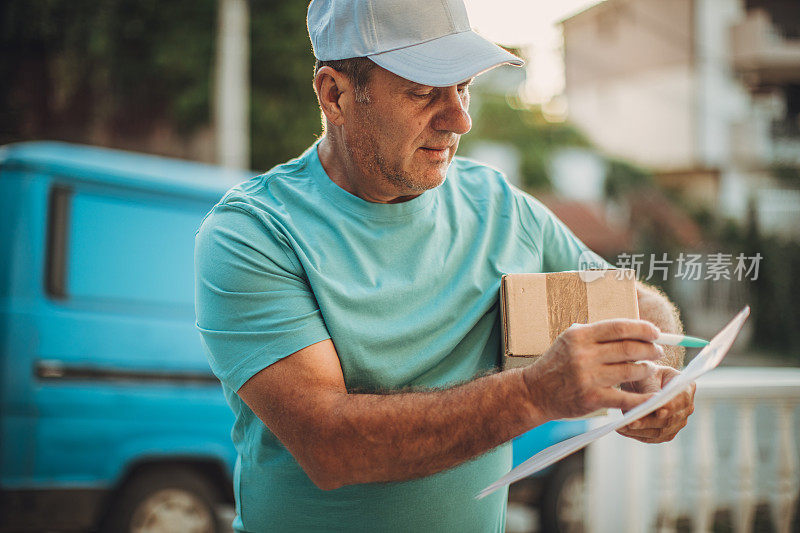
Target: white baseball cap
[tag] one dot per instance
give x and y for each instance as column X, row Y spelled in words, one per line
column 426, row 41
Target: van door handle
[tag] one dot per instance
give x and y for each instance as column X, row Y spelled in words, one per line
column 49, row 369
column 55, row 369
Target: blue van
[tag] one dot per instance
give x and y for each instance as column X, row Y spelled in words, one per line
column 109, row 416
column 109, row 410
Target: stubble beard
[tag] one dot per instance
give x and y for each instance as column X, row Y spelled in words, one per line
column 377, row 165
column 400, row 179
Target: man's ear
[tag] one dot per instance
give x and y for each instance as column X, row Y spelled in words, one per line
column 334, row 93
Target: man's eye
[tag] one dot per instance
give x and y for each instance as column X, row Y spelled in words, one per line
column 424, row 95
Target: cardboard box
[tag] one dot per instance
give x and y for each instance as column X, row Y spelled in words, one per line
column 536, row 308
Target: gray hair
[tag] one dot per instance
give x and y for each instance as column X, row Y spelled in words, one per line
column 357, row 69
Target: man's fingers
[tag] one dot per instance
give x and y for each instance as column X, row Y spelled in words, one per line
column 623, row 400
column 656, row 421
column 684, row 400
column 658, row 434
column 617, row 373
column 621, row 328
column 663, row 424
column 649, row 433
column 628, row 350
column 649, row 440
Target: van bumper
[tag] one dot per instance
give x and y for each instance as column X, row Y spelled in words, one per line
column 31, row 510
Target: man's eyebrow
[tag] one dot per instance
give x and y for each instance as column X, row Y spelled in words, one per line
column 414, row 85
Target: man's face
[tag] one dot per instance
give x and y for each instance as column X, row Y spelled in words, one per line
column 407, row 134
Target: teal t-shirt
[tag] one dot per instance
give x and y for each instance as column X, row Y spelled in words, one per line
column 408, row 293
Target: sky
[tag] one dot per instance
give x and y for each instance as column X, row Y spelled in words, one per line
column 530, row 25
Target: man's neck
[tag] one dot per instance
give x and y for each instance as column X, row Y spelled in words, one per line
column 341, row 170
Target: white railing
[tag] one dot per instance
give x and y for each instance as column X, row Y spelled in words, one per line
column 739, row 453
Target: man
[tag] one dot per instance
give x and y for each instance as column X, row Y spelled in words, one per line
column 348, row 299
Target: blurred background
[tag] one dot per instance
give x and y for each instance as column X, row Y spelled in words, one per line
column 664, row 133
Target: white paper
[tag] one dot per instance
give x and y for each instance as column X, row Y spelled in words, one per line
column 708, row 358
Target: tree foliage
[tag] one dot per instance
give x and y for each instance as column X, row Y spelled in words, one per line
column 623, row 177
column 285, row 117
column 121, row 66
column 114, row 71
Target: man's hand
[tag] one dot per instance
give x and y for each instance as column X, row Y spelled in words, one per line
column 664, row 423
column 578, row 373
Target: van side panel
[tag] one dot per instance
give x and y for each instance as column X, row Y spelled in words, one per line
column 24, row 215
column 120, row 371
column 103, row 370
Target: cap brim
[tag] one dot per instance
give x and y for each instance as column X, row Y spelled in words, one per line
column 446, row 61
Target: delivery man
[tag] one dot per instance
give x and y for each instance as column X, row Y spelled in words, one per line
column 348, row 299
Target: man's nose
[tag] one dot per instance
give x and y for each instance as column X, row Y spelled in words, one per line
column 454, row 114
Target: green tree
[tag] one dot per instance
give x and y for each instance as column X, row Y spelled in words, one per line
column 119, row 71
column 73, row 68
column 284, row 114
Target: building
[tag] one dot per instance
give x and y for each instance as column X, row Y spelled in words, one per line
column 706, row 93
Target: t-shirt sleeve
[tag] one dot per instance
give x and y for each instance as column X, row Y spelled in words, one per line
column 252, row 299
column 561, row 249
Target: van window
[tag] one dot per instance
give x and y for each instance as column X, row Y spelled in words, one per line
column 131, row 248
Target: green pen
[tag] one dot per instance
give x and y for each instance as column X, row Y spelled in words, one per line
column 672, row 339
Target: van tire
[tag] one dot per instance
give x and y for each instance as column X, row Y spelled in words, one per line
column 165, row 499
column 563, row 502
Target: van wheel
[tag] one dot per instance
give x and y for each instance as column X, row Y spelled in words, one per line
column 563, row 502
column 165, row 500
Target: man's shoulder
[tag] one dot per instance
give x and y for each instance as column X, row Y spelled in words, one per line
column 265, row 201
column 281, row 185
column 484, row 183
column 466, row 167
column 479, row 179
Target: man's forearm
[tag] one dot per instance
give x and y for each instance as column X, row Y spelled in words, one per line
column 655, row 307
column 406, row 435
column 342, row 438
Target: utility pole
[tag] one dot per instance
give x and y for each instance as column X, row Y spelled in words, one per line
column 232, row 85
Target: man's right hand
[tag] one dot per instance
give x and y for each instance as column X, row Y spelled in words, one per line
column 578, row 373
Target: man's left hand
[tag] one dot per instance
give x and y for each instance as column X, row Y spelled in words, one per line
column 664, row 423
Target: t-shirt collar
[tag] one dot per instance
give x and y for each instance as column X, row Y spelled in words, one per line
column 356, row 204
